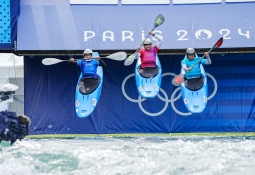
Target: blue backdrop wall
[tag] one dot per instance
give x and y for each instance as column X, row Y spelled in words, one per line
column 50, row 93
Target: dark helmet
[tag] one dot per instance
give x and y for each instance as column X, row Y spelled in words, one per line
column 24, row 120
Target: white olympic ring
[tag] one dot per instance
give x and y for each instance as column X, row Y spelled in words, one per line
column 215, row 86
column 173, row 106
column 149, row 54
column 124, row 92
column 153, row 114
column 166, row 100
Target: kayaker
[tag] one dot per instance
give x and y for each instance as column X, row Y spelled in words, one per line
column 88, row 65
column 13, row 127
column 191, row 59
column 148, row 54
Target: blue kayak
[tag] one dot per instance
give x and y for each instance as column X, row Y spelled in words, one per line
column 194, row 92
column 88, row 92
column 148, row 80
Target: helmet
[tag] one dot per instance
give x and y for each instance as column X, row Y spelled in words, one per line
column 87, row 51
column 147, row 41
column 190, row 51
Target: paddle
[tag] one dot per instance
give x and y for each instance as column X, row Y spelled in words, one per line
column 178, row 79
column 119, row 56
column 158, row 21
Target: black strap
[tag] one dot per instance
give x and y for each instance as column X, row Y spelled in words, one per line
column 102, row 63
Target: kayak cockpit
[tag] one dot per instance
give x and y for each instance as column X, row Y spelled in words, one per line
column 148, row 72
column 88, row 85
column 194, row 84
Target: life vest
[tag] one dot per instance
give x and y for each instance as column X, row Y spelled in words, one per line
column 88, row 68
column 148, row 57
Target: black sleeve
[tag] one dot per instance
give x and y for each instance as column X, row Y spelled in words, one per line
column 11, row 115
column 102, row 63
column 72, row 63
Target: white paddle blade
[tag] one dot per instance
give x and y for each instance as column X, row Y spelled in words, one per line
column 129, row 60
column 50, row 61
column 118, row 56
column 178, row 79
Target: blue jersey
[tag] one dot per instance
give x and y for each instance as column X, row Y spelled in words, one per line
column 88, row 67
column 195, row 71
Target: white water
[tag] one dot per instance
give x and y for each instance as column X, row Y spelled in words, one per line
column 123, row 156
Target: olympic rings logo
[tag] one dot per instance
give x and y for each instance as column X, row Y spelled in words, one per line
column 149, row 54
column 165, row 98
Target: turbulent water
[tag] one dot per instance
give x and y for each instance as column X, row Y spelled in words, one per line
column 132, row 155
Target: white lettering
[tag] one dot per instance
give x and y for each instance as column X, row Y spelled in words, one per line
column 127, row 37
column 225, row 33
column 88, row 35
column 183, row 33
column 202, row 34
column 243, row 34
column 111, row 37
column 143, row 35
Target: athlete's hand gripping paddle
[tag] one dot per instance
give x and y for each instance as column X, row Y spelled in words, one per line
column 119, row 56
column 178, row 79
column 158, row 21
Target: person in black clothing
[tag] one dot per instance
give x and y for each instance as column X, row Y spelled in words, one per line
column 13, row 127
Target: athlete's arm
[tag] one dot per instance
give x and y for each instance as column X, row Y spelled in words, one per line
column 160, row 40
column 207, row 59
column 102, row 63
column 72, row 61
column 184, row 67
column 137, row 55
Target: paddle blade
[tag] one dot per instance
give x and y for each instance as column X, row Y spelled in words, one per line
column 218, row 43
column 50, row 61
column 119, row 56
column 159, row 20
column 177, row 80
column 129, row 60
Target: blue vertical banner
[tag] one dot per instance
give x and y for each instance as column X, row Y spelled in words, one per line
column 9, row 12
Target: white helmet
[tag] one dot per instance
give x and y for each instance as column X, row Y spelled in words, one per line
column 190, row 51
column 147, row 41
column 87, row 51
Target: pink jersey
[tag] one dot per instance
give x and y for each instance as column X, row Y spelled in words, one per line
column 148, row 57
